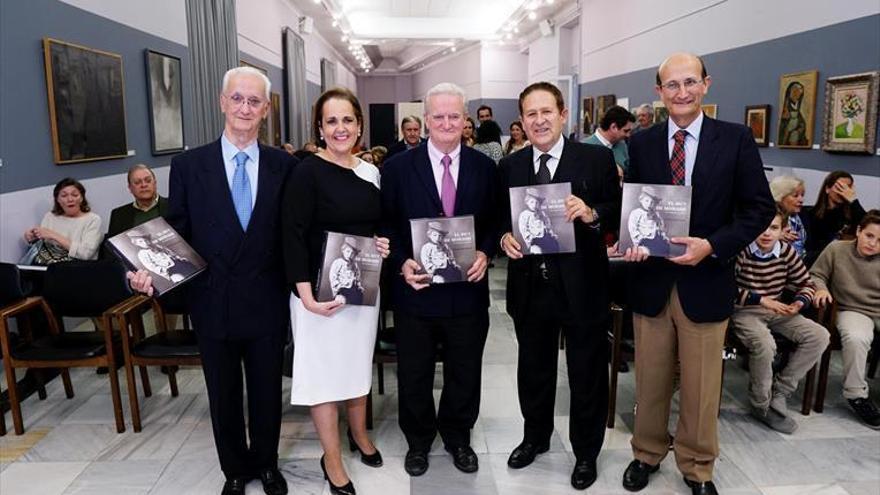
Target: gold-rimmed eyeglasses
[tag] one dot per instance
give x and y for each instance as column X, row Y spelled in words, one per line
column 675, row 86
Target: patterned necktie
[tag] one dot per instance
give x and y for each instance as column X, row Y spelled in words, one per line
column 543, row 175
column 241, row 190
column 447, row 188
column 676, row 161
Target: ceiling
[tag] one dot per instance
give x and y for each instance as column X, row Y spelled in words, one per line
column 399, row 36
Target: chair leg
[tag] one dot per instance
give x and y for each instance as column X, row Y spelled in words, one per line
column 68, row 385
column 2, row 423
column 172, row 381
column 809, row 386
column 145, row 381
column 370, row 409
column 14, row 404
column 133, row 406
column 380, row 370
column 617, row 332
column 824, row 366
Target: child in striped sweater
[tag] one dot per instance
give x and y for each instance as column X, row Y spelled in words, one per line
column 764, row 269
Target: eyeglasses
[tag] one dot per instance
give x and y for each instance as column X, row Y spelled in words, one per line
column 239, row 100
column 452, row 117
column 675, row 86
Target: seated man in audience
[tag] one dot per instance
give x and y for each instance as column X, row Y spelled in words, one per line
column 763, row 270
column 147, row 203
column 850, row 270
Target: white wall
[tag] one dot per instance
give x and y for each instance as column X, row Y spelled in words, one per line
column 260, row 25
column 163, row 18
column 462, row 69
column 503, row 72
column 643, row 33
column 382, row 89
column 544, row 58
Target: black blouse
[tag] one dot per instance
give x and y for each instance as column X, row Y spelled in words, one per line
column 321, row 196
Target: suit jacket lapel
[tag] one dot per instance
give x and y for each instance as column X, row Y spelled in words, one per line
column 465, row 180
column 214, row 173
column 566, row 167
column 267, row 177
column 706, row 151
column 662, row 150
column 422, row 165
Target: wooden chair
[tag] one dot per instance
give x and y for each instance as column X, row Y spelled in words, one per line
column 828, row 318
column 617, row 356
column 167, row 347
column 76, row 289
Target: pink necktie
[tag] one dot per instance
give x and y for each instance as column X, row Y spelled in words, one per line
column 447, row 188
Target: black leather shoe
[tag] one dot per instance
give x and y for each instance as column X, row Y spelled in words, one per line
column 346, row 489
column 525, row 453
column 464, row 458
column 584, row 474
column 704, row 488
column 273, row 482
column 234, row 486
column 416, row 462
column 636, row 475
column 372, row 460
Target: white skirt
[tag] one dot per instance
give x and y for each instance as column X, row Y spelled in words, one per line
column 332, row 356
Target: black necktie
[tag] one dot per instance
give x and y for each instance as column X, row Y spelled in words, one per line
column 543, row 175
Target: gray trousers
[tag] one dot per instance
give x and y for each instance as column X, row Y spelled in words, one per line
column 856, row 333
column 753, row 326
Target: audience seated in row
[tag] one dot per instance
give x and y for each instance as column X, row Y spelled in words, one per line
column 69, row 231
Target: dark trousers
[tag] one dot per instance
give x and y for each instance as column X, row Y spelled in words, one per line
column 222, row 365
column 462, row 339
column 586, row 350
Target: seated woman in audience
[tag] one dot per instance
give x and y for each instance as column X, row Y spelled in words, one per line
column 835, row 215
column 70, row 230
column 367, row 156
column 517, row 139
column 488, row 140
column 788, row 192
column 379, row 153
column 848, row 272
column 467, row 134
column 763, row 269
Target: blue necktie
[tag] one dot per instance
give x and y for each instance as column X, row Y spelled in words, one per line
column 241, row 190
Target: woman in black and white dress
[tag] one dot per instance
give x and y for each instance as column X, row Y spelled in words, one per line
column 335, row 191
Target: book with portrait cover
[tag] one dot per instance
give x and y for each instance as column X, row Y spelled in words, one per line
column 445, row 247
column 651, row 215
column 156, row 247
column 350, row 270
column 537, row 215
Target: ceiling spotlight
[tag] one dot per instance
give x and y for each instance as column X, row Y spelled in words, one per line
column 516, row 30
column 453, row 49
column 317, row 1
column 549, row 2
column 344, row 38
column 533, row 15
column 335, row 23
column 508, row 36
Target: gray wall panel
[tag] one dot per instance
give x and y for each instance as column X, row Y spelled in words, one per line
column 749, row 75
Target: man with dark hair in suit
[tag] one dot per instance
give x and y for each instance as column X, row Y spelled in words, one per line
column 681, row 313
column 411, row 129
column 484, row 113
column 147, row 203
column 441, row 179
column 225, row 201
column 546, row 294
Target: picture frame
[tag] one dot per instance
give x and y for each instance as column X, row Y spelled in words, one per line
column 275, row 99
column 265, row 133
column 757, row 118
column 603, row 103
column 797, row 109
column 660, row 111
column 710, row 110
column 587, row 119
column 165, row 102
column 850, row 123
column 86, row 96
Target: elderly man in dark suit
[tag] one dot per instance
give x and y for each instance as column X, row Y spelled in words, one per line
column 225, row 201
column 436, row 179
column 411, row 129
column 681, row 305
column 567, row 292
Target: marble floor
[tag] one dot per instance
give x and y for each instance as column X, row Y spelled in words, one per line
column 71, row 446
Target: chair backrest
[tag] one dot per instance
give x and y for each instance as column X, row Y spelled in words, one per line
column 85, row 288
column 11, row 289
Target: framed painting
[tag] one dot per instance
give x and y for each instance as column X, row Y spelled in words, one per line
column 86, row 102
column 165, row 96
column 797, row 109
column 275, row 115
column 660, row 112
column 851, row 113
column 603, row 103
column 758, row 120
column 711, row 110
column 588, row 116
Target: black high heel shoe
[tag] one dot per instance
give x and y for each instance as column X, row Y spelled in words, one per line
column 347, row 489
column 372, row 460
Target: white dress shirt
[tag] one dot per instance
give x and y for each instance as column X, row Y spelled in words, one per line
column 435, row 155
column 691, row 141
column 251, row 166
column 555, row 154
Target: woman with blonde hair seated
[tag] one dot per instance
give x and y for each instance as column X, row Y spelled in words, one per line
column 788, row 192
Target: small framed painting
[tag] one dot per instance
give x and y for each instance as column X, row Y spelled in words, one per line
column 797, row 109
column 851, row 113
column 758, row 120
